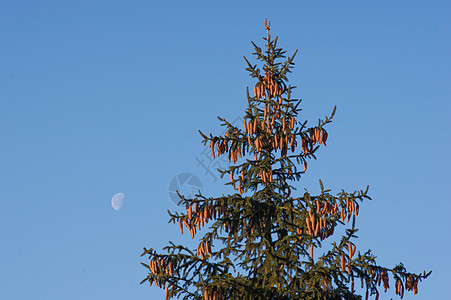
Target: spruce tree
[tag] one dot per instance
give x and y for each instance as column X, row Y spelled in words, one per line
column 265, row 242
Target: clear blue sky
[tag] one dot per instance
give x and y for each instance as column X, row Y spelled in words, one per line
column 102, row 97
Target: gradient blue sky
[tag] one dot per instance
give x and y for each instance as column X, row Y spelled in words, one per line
column 101, row 97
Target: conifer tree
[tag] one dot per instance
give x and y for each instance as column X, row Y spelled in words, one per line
column 263, row 242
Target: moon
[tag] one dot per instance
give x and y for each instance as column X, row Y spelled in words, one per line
column 117, row 201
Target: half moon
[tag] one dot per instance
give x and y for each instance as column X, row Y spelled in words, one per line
column 117, row 201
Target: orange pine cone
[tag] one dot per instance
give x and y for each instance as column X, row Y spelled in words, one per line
column 268, row 126
column 317, row 227
column 206, row 215
column 201, row 220
column 171, row 271
column 349, row 217
column 350, row 249
column 186, row 223
column 309, row 228
column 181, row 226
column 214, row 212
